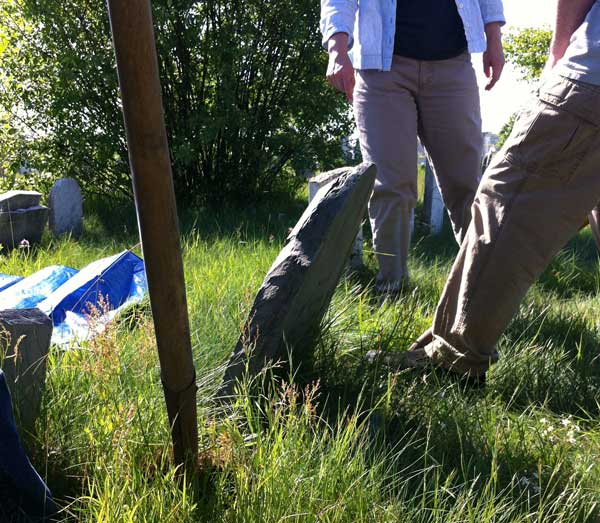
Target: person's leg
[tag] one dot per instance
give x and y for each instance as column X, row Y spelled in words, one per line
column 386, row 117
column 532, row 200
column 450, row 129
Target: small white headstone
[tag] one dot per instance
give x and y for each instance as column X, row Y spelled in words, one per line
column 66, row 208
column 434, row 204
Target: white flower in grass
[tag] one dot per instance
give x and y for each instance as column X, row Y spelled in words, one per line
column 571, row 437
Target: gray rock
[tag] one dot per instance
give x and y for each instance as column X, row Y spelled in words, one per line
column 66, row 208
column 14, row 200
column 288, row 310
column 23, row 224
column 24, row 344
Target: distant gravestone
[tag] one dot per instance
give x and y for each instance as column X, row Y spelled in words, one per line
column 66, row 208
column 315, row 184
column 433, row 202
column 15, row 200
column 24, row 345
column 297, row 290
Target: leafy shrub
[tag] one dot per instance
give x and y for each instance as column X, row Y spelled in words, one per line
column 246, row 104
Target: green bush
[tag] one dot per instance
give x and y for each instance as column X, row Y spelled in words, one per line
column 245, row 99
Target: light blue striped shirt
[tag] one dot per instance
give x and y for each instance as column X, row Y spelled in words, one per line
column 371, row 25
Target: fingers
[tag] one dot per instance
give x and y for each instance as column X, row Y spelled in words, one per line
column 493, row 70
column 340, row 74
column 349, row 86
column 496, row 74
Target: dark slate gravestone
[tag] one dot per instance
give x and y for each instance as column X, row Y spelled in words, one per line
column 22, row 224
column 297, row 291
column 24, row 344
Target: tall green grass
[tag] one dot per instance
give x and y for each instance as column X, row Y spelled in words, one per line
column 336, row 441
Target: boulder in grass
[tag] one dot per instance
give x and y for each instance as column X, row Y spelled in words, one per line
column 297, row 291
column 24, row 345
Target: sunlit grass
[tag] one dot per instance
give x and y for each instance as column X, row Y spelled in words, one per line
column 339, row 442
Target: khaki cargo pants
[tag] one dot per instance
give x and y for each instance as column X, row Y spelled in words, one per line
column 439, row 102
column 532, row 200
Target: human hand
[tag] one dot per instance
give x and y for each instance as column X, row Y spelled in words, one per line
column 493, row 58
column 340, row 72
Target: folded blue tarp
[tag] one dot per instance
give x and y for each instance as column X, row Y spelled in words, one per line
column 80, row 302
column 95, row 294
column 29, row 292
column 23, row 494
column 6, row 281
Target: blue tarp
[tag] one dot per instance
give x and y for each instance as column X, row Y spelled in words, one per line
column 6, row 281
column 29, row 292
column 22, row 491
column 80, row 302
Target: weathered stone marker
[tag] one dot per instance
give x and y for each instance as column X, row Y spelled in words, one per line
column 66, row 208
column 315, row 184
column 433, row 203
column 297, row 291
column 14, row 200
column 24, row 344
column 21, row 218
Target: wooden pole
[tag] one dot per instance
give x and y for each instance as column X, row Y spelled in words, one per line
column 137, row 64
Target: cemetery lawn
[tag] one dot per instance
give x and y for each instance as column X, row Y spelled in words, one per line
column 343, row 442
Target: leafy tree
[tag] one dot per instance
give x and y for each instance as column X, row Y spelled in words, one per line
column 528, row 50
column 246, row 105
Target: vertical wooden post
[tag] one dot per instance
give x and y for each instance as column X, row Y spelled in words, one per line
column 137, row 64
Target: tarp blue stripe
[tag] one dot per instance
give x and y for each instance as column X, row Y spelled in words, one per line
column 6, row 281
column 29, row 292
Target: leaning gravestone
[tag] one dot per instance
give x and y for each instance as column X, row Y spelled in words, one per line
column 24, row 344
column 315, row 184
column 22, row 218
column 66, row 208
column 296, row 293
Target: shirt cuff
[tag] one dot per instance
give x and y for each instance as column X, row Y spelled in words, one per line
column 331, row 28
column 494, row 17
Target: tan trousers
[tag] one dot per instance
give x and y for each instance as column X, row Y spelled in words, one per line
column 439, row 102
column 532, row 200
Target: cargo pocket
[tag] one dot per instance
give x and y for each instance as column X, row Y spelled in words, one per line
column 550, row 141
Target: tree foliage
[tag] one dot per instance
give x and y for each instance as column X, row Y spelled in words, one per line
column 528, row 50
column 245, row 102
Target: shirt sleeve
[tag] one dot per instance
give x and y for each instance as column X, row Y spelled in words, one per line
column 337, row 16
column 492, row 11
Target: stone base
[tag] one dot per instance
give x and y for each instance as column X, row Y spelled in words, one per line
column 23, row 224
column 24, row 345
column 288, row 310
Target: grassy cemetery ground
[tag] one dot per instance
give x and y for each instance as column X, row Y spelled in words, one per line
column 344, row 443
